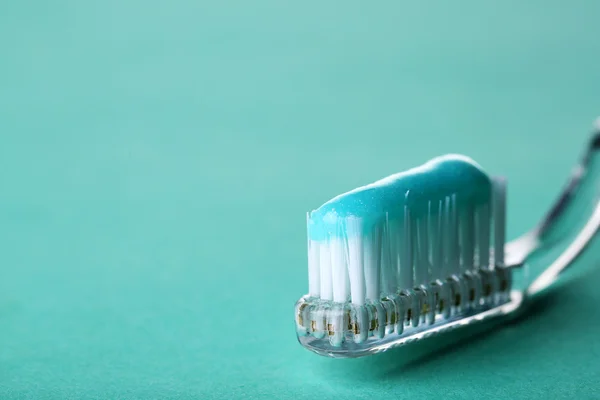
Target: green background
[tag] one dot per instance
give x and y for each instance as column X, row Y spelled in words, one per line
column 157, row 160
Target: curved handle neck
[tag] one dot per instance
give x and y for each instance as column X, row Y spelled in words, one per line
column 554, row 244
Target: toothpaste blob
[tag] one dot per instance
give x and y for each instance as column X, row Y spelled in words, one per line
column 404, row 250
column 357, row 211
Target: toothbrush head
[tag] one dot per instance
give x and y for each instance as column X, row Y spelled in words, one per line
column 409, row 256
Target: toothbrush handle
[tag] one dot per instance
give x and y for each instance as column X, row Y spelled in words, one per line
column 567, row 229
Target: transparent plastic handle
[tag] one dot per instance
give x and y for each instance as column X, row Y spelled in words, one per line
column 551, row 247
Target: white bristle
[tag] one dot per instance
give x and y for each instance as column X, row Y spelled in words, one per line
column 436, row 259
column 467, row 238
column 483, row 226
column 314, row 273
column 388, row 265
column 356, row 261
column 405, row 251
column 325, row 268
column 421, row 264
column 339, row 272
column 499, row 204
column 372, row 263
column 451, row 264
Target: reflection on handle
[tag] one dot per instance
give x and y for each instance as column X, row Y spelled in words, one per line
column 567, row 257
column 567, row 229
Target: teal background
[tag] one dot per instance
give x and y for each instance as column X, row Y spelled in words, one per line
column 157, row 160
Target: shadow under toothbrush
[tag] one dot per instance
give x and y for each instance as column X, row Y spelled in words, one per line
column 487, row 346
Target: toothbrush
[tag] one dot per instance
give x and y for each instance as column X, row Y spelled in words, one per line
column 423, row 252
